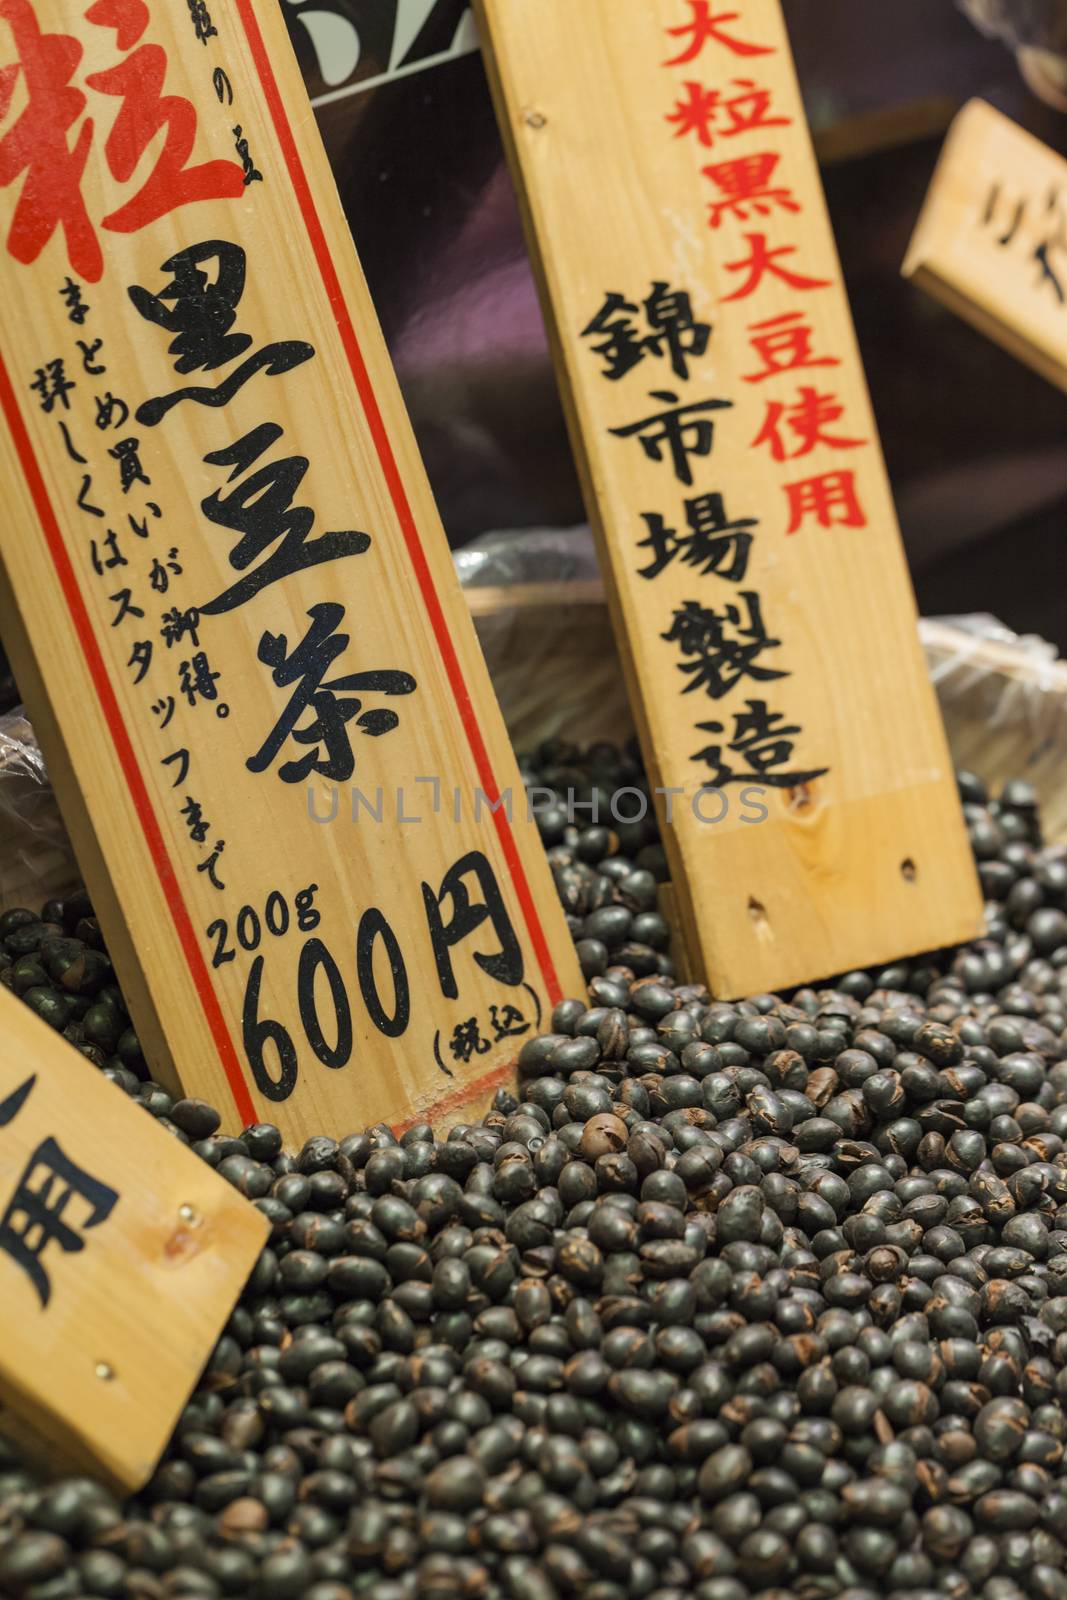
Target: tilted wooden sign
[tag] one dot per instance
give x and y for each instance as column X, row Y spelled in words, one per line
column 230, row 603
column 991, row 240
column 121, row 1257
column 733, row 472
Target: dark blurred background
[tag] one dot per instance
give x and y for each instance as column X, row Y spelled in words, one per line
column 974, row 440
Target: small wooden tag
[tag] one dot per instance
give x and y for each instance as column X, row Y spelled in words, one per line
column 991, row 240
column 121, row 1257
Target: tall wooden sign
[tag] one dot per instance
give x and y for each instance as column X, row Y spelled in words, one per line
column 121, row 1257
column 732, row 469
column 991, row 241
column 228, row 597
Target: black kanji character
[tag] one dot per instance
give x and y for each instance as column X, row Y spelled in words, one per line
column 115, row 556
column 680, row 429
column 466, row 916
column 193, row 813
column 304, row 666
column 712, row 544
column 251, row 172
column 89, row 353
column 203, row 26
column 669, row 314
column 69, row 443
column 34, row 1216
column 1054, row 240
column 199, row 310
column 673, row 331
column 722, row 659
column 141, row 657
column 507, row 1021
column 130, row 468
column 196, row 679
column 622, row 348
column 992, row 206
column 126, row 608
column 182, row 757
column 467, row 1041
column 140, row 528
column 106, row 409
column 160, row 574
column 210, row 864
column 765, row 741
column 261, row 510
column 175, row 624
column 77, row 310
column 52, row 384
column 83, row 497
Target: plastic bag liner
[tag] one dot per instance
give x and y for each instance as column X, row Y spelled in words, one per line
column 36, row 860
column 1031, row 24
column 538, row 604
column 1004, row 700
column 539, row 608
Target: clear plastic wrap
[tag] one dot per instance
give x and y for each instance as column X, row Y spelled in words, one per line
column 1004, row 700
column 538, row 604
column 1033, row 24
column 1036, row 30
column 36, row 860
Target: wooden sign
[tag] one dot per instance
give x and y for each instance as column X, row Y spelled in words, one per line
column 732, row 470
column 229, row 600
column 121, row 1257
column 991, row 240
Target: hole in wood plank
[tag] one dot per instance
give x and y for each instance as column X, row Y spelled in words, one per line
column 800, row 797
column 190, row 1216
column 104, row 1371
column 534, row 119
column 756, row 910
column 908, row 870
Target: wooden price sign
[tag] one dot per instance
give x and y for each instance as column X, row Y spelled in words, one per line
column 121, row 1257
column 733, row 472
column 229, row 600
column 991, row 241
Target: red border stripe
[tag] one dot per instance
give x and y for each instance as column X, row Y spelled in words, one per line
column 105, row 694
column 124, row 749
column 399, row 498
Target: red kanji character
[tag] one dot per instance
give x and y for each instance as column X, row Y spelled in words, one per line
column 821, row 497
column 745, row 186
column 36, row 144
column 704, row 26
column 806, row 418
column 762, row 261
column 783, row 343
column 129, row 18
column 144, row 111
column 700, row 112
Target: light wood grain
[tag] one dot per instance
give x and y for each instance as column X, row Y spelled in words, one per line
column 871, row 861
column 341, row 410
column 991, row 240
column 94, row 1378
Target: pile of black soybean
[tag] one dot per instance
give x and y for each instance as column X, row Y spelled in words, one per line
column 766, row 1298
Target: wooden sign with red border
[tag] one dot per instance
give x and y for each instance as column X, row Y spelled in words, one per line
column 228, row 598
